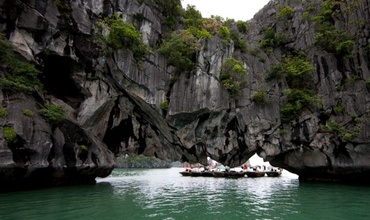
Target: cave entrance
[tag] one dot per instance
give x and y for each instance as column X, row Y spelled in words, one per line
column 59, row 79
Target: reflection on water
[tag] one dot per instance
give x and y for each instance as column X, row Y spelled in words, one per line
column 165, row 194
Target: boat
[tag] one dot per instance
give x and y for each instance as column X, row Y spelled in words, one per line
column 185, row 173
column 274, row 172
column 229, row 174
column 196, row 173
column 219, row 174
column 235, row 174
column 214, row 169
column 255, row 173
column 207, row 173
column 190, row 173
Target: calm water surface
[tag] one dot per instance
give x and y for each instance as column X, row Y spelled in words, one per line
column 165, row 194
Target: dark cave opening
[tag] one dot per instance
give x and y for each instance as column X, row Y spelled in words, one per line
column 59, row 82
column 118, row 135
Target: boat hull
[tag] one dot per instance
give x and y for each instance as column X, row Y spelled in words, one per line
column 230, row 174
column 234, row 174
column 273, row 174
column 255, row 174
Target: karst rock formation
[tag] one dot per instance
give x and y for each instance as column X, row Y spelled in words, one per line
column 302, row 104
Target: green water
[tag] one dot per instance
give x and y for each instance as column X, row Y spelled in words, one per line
column 165, row 194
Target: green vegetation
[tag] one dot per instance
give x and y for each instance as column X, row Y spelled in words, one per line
column 211, row 25
column 181, row 47
column 239, row 42
column 28, row 112
column 224, row 33
column 164, row 105
column 121, row 35
column 327, row 36
column 345, row 133
column 62, row 5
column 180, row 50
column 282, row 131
column 141, row 161
column 195, row 23
column 272, row 39
column 52, row 113
column 65, row 9
column 19, row 75
column 242, row 26
column 193, row 17
column 170, row 9
column 216, row 27
column 339, row 109
column 305, row 15
column 295, row 69
column 297, row 72
column 254, row 51
column 231, row 76
column 297, row 101
column 3, row 113
column 9, row 134
column 260, row 97
column 205, row 27
column 83, row 147
column 287, row 12
column 344, row 49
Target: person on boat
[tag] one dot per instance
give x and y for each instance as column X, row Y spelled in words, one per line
column 214, row 166
column 186, row 167
column 245, row 166
column 227, row 168
column 259, row 169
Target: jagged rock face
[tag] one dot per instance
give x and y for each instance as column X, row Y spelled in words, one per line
column 305, row 147
column 41, row 155
column 113, row 102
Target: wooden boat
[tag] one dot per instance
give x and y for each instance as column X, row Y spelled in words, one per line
column 196, row 173
column 255, row 173
column 235, row 174
column 274, row 172
column 185, row 173
column 219, row 174
column 207, row 173
column 230, row 174
column 191, row 173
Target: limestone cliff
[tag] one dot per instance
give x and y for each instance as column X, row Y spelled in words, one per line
column 303, row 104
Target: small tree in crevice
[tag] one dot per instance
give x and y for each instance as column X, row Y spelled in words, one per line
column 19, row 75
column 180, row 49
column 272, row 39
column 121, row 34
column 232, row 76
column 298, row 74
column 9, row 134
column 52, row 113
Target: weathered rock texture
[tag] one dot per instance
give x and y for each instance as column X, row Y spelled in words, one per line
column 113, row 103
